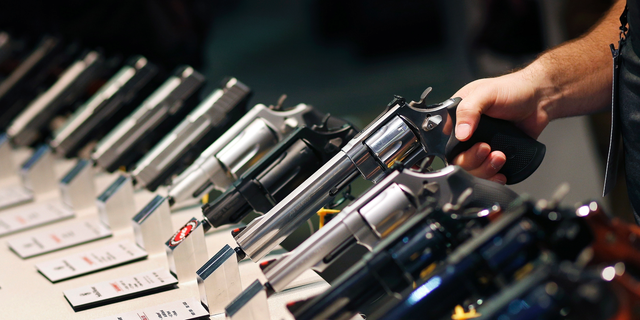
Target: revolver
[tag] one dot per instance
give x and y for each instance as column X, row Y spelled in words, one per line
column 557, row 290
column 396, row 262
column 210, row 119
column 284, row 168
column 103, row 107
column 521, row 238
column 378, row 212
column 38, row 70
column 157, row 114
column 406, row 132
column 32, row 124
column 239, row 148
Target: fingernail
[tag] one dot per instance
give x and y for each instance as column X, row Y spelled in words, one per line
column 463, row 131
column 497, row 163
column 500, row 179
column 483, row 152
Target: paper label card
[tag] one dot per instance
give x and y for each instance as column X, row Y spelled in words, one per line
column 187, row 309
column 14, row 195
column 63, row 236
column 32, row 215
column 90, row 261
column 102, row 293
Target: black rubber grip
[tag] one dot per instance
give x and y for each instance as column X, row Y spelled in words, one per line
column 487, row 193
column 524, row 154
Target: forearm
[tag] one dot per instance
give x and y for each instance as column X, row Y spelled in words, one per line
column 575, row 78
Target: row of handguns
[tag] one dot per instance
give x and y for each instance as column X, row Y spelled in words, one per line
column 439, row 240
column 530, row 260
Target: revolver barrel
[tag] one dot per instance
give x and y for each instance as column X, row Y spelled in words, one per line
column 263, row 234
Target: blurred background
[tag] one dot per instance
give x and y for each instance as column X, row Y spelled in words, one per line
column 350, row 57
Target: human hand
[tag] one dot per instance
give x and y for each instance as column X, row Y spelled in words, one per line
column 511, row 97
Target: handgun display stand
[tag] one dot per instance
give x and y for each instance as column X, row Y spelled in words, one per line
column 77, row 193
column 187, row 251
column 116, row 205
column 19, row 282
column 219, row 280
column 37, row 176
column 7, row 169
column 152, row 226
column 251, row 305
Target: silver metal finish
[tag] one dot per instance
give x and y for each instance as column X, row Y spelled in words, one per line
column 388, row 210
column 25, row 127
column 377, row 213
column 392, row 142
column 152, row 226
column 206, row 116
column 251, row 304
column 77, row 187
column 262, row 235
column 252, row 137
column 38, row 173
column 243, row 151
column 187, row 251
column 116, row 206
column 395, row 135
column 162, row 103
column 219, row 280
column 7, row 168
column 286, row 269
column 102, row 104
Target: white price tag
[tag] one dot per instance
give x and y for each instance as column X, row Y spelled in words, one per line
column 187, row 309
column 120, row 289
column 67, row 235
column 32, row 215
column 14, row 195
column 90, row 261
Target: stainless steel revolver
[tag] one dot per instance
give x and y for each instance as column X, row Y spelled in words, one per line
column 405, row 132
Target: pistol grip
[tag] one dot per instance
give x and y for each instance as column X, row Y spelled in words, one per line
column 524, row 154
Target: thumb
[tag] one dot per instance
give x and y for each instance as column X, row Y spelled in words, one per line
column 468, row 114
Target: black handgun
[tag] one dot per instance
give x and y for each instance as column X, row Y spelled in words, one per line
column 289, row 164
column 519, row 239
column 37, row 72
column 205, row 124
column 150, row 121
column 417, row 246
column 102, row 111
column 32, row 124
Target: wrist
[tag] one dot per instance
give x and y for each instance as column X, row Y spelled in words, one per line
column 547, row 94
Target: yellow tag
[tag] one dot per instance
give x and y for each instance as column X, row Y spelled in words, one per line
column 459, row 314
column 323, row 212
column 522, row 272
column 426, row 271
column 205, row 199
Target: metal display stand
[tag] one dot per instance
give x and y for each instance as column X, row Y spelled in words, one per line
column 27, row 294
